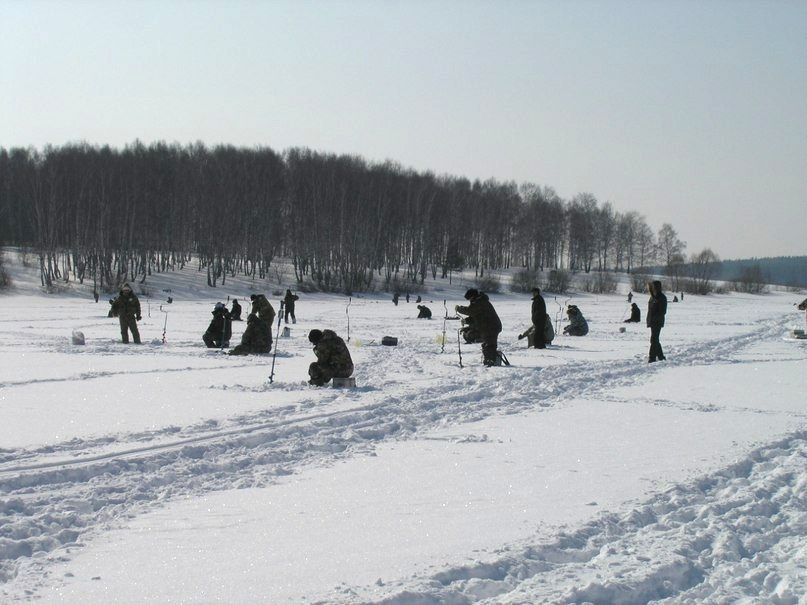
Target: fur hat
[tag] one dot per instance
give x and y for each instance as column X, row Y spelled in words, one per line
column 471, row 293
column 314, row 336
column 126, row 286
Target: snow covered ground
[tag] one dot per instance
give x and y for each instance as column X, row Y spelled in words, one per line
column 173, row 473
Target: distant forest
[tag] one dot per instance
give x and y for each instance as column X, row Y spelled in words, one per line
column 780, row 270
column 107, row 215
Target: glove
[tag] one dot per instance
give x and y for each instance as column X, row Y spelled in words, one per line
column 138, row 317
column 520, row 336
column 456, row 308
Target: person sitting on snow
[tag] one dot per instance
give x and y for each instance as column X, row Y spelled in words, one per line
column 220, row 329
column 578, row 326
column 635, row 314
column 424, row 312
column 333, row 358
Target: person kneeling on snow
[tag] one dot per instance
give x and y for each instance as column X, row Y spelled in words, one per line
column 220, row 329
column 257, row 338
column 424, row 312
column 578, row 326
column 333, row 358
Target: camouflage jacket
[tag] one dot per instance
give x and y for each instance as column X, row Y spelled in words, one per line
column 263, row 309
column 126, row 306
column 332, row 352
column 257, row 336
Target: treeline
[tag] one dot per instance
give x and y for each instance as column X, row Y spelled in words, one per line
column 749, row 275
column 108, row 215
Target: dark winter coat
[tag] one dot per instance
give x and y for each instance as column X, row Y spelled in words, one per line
column 484, row 317
column 235, row 312
column 126, row 305
column 263, row 309
column 538, row 311
column 220, row 328
column 635, row 314
column 333, row 356
column 656, row 310
column 257, row 338
column 424, row 312
column 288, row 301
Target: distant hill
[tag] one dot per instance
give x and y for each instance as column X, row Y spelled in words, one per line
column 779, row 270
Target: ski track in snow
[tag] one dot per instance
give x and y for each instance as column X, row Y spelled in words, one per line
column 721, row 538
column 55, row 498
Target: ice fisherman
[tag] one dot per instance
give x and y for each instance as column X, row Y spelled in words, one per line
column 126, row 307
column 257, row 338
column 485, row 321
column 220, row 330
column 333, row 358
column 288, row 306
column 635, row 314
column 578, row 326
column 656, row 310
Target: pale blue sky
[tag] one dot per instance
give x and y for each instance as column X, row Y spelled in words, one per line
column 693, row 113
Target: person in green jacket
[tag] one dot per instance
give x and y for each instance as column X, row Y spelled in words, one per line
column 263, row 309
column 333, row 358
column 256, row 338
column 126, row 307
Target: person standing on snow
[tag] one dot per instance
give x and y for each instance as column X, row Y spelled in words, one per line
column 126, row 307
column 485, row 321
column 538, row 318
column 333, row 358
column 235, row 312
column 656, row 310
column 288, row 305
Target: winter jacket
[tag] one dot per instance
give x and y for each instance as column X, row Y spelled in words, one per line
column 235, row 312
column 578, row 326
column 263, row 309
column 485, row 320
column 288, row 301
column 126, row 305
column 332, row 353
column 635, row 314
column 424, row 312
column 538, row 310
column 656, row 310
column 256, row 338
column 221, row 326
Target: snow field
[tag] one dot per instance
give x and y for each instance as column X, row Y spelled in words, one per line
column 171, row 473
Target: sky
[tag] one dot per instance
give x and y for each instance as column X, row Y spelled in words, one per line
column 692, row 113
